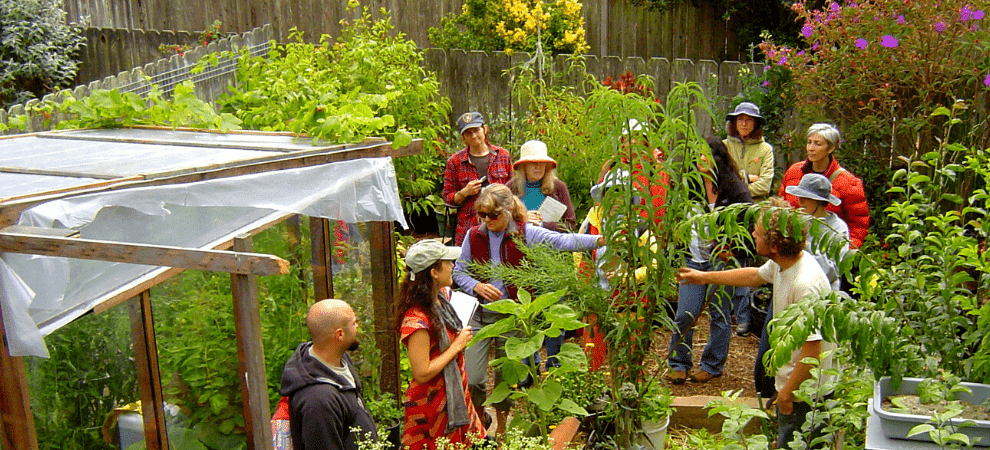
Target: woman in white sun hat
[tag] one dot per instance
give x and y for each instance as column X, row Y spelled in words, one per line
column 536, row 179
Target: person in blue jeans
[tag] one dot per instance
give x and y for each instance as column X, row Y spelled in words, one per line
column 721, row 187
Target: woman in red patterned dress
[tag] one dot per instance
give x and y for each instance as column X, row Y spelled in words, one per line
column 437, row 401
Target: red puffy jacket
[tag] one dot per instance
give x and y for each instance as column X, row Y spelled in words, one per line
column 848, row 187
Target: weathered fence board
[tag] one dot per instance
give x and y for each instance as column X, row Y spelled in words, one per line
column 613, row 27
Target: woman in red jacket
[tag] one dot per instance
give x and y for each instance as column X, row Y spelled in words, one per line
column 823, row 139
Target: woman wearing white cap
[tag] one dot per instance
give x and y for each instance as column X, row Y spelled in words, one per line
column 535, row 180
column 750, row 153
column 435, row 339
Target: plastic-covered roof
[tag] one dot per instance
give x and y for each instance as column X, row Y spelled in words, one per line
column 44, row 162
column 183, row 189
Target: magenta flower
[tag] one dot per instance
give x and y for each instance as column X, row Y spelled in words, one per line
column 834, row 7
column 783, row 60
column 767, row 83
column 806, row 31
column 889, row 41
column 900, row 19
column 986, row 81
column 862, row 43
column 966, row 14
column 940, row 27
column 978, row 14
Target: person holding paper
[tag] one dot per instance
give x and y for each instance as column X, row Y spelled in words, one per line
column 545, row 196
column 437, row 402
column 497, row 242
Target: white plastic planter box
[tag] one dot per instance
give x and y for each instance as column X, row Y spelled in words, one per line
column 898, row 425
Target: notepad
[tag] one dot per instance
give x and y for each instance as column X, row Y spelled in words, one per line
column 464, row 305
column 552, row 210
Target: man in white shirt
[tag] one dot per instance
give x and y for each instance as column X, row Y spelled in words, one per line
column 795, row 275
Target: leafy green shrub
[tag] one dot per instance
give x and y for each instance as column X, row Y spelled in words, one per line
column 112, row 109
column 514, row 25
column 367, row 83
column 37, row 50
column 880, row 68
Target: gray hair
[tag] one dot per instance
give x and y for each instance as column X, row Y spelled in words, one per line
column 827, row 131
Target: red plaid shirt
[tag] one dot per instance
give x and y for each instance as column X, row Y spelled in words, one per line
column 460, row 172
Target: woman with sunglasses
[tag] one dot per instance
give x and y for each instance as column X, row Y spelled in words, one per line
column 494, row 241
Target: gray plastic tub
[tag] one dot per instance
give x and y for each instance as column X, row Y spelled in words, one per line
column 897, row 425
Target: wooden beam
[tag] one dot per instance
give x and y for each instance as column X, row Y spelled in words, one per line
column 130, row 290
column 16, row 421
column 322, row 260
column 251, row 354
column 149, row 378
column 151, row 255
column 384, row 289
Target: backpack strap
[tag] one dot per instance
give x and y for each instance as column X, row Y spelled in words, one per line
column 840, row 171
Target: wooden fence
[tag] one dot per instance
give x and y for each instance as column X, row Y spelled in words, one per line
column 614, row 27
column 475, row 81
column 472, row 80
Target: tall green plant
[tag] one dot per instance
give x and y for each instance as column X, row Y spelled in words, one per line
column 38, row 50
column 369, row 82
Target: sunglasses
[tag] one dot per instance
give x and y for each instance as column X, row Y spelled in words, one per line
column 492, row 216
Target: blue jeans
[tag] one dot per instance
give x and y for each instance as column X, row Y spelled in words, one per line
column 690, row 299
column 740, row 304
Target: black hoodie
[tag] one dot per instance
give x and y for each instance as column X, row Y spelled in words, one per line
column 323, row 407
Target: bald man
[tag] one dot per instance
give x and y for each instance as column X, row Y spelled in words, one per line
column 321, row 383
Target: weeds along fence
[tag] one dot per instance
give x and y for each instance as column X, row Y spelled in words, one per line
column 693, row 30
column 472, row 80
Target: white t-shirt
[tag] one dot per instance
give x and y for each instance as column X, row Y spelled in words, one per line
column 804, row 278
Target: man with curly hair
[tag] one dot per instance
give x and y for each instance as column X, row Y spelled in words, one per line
column 795, row 275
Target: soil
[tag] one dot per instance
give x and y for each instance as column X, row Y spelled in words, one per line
column 738, row 371
column 911, row 404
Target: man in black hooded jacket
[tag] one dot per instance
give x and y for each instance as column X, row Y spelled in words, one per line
column 321, row 383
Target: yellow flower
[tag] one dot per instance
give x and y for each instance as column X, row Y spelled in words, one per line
column 589, row 344
column 353, row 3
column 531, row 24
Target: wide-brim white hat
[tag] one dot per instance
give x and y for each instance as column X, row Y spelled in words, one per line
column 534, row 152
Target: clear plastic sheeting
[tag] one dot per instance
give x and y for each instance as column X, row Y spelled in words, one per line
column 16, row 184
column 41, row 294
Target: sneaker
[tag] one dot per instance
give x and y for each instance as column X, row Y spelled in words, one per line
column 676, row 376
column 742, row 329
column 700, row 376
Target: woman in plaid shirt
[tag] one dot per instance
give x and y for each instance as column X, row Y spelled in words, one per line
column 477, row 165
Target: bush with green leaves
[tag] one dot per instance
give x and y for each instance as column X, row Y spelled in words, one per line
column 514, row 25
column 536, row 319
column 37, row 50
column 369, row 82
column 878, row 70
